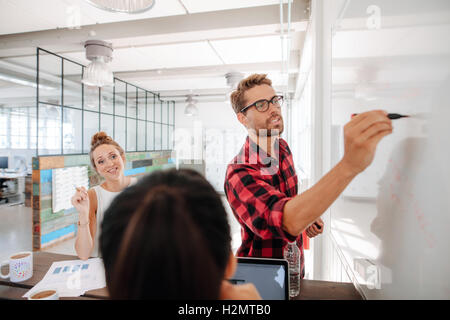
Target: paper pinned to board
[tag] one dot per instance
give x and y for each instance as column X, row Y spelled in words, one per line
column 72, row 278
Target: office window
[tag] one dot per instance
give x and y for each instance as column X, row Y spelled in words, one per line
column 49, row 129
column 72, row 131
column 158, row 114
column 171, row 142
column 32, row 128
column 141, row 135
column 120, row 89
column 107, row 100
column 141, row 104
column 91, row 127
column 19, row 124
column 107, row 124
column 131, row 135
column 171, row 112
column 158, row 136
column 73, row 88
column 3, row 129
column 70, row 113
column 150, row 136
column 131, row 101
column 91, row 98
column 165, row 112
column 165, row 137
column 50, row 75
column 150, row 107
column 119, row 131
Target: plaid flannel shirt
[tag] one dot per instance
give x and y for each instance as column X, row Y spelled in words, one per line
column 257, row 187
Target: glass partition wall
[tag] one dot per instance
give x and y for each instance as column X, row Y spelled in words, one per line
column 18, row 111
column 69, row 113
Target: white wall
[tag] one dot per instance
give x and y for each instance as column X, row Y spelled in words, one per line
column 215, row 136
column 211, row 116
column 316, row 64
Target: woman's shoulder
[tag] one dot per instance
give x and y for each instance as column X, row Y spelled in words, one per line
column 92, row 201
column 93, row 191
column 133, row 180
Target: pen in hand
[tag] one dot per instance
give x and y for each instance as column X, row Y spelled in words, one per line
column 79, row 189
column 391, row 116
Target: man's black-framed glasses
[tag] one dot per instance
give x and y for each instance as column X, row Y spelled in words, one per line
column 263, row 104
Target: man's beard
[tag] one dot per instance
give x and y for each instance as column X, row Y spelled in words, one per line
column 269, row 132
column 274, row 132
column 265, row 132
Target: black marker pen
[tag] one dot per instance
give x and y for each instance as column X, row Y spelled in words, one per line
column 391, row 116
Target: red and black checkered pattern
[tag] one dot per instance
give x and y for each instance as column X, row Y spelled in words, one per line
column 257, row 187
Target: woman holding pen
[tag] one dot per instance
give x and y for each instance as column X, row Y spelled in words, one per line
column 108, row 159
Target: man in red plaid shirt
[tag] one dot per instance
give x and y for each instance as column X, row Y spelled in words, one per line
column 261, row 183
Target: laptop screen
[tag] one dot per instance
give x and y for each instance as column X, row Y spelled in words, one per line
column 269, row 276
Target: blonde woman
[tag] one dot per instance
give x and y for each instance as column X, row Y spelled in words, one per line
column 108, row 159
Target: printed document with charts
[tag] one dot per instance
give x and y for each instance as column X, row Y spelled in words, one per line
column 72, row 278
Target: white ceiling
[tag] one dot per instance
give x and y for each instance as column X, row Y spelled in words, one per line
column 178, row 47
column 19, row 16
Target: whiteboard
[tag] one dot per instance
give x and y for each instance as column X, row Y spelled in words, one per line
column 64, row 181
column 392, row 223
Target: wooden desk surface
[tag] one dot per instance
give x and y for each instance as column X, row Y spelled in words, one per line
column 41, row 263
column 309, row 289
column 327, row 290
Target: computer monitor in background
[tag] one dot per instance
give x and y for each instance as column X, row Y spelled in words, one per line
column 3, row 162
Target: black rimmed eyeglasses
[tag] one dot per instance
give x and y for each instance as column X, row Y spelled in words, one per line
column 263, row 104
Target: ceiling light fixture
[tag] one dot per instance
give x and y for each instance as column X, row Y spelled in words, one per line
column 98, row 73
column 233, row 78
column 125, row 6
column 191, row 109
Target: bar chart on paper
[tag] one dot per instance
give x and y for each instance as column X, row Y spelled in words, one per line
column 73, row 278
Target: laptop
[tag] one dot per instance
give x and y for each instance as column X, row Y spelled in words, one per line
column 269, row 276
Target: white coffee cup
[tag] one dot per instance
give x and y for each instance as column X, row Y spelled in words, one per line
column 20, row 266
column 44, row 294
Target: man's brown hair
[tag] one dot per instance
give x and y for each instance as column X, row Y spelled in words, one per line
column 237, row 96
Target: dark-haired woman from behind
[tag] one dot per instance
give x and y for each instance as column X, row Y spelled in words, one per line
column 108, row 159
column 167, row 237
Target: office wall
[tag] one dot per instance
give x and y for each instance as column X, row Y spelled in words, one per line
column 311, row 136
column 211, row 139
column 215, row 136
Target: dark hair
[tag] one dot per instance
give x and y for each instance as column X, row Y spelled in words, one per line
column 167, row 237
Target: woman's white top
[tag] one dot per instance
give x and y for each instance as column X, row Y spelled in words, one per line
column 104, row 199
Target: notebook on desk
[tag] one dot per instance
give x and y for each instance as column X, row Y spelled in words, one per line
column 269, row 276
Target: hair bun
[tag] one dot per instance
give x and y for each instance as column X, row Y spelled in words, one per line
column 100, row 136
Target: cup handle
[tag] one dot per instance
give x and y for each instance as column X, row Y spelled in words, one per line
column 4, row 263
